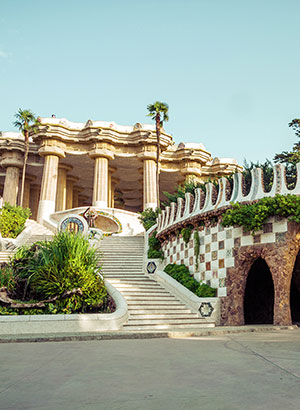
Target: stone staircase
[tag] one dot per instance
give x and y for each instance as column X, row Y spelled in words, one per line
column 37, row 233
column 150, row 306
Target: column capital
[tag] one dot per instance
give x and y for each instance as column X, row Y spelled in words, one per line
column 102, row 153
column 72, row 178
column 30, row 178
column 112, row 170
column 115, row 180
column 51, row 150
column 78, row 188
column 12, row 159
column 142, row 156
column 66, row 167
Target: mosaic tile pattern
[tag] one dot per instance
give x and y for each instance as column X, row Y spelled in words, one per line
column 217, row 249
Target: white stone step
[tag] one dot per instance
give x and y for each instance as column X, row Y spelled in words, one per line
column 169, row 327
column 162, row 316
column 163, row 311
column 140, row 304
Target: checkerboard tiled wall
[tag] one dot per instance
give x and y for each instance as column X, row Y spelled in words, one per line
column 217, row 245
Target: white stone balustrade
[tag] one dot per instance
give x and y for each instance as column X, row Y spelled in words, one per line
column 169, row 217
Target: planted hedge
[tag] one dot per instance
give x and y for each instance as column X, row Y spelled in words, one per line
column 12, row 220
column 183, row 276
column 65, row 270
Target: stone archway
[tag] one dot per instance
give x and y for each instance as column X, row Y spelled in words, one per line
column 295, row 291
column 259, row 294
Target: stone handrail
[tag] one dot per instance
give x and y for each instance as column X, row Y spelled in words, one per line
column 182, row 210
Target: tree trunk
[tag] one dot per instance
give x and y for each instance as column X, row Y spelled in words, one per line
column 157, row 156
column 26, row 136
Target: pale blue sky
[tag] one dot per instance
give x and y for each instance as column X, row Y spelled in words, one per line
column 229, row 69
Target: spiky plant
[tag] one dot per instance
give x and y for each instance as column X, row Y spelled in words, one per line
column 158, row 112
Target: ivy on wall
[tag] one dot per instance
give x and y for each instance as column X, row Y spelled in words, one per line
column 252, row 216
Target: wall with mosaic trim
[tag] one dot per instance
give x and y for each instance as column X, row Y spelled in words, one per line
column 227, row 254
column 218, row 246
column 213, row 200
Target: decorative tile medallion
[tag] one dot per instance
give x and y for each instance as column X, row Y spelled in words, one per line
column 206, row 309
column 151, row 267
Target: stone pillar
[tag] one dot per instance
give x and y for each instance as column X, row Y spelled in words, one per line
column 76, row 191
column 26, row 199
column 70, row 184
column 61, row 192
column 49, row 181
column 114, row 182
column 100, row 189
column 13, row 162
column 149, row 183
column 34, row 200
column 110, row 186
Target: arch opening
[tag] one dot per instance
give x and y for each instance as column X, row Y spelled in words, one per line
column 259, row 294
column 295, row 292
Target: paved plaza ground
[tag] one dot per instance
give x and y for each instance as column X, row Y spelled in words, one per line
column 240, row 371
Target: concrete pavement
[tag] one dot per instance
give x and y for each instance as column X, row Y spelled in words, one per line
column 238, row 371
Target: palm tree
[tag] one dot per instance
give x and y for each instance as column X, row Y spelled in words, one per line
column 157, row 110
column 25, row 122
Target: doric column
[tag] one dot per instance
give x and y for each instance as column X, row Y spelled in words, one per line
column 26, row 199
column 76, row 191
column 150, row 195
column 61, row 192
column 100, row 189
column 149, row 179
column 49, row 180
column 70, row 184
column 13, row 162
column 34, row 200
column 114, row 182
column 110, row 186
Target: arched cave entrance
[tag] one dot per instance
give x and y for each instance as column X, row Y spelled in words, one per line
column 295, row 292
column 259, row 294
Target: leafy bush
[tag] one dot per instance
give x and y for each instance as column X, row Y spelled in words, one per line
column 51, row 268
column 12, row 220
column 197, row 248
column 148, row 217
column 154, row 250
column 186, row 234
column 253, row 216
column 183, row 276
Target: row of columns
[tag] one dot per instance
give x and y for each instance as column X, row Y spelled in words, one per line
column 58, row 190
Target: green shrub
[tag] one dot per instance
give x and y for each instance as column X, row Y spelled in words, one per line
column 51, row 268
column 253, row 216
column 186, row 234
column 183, row 276
column 12, row 220
column 148, row 217
column 197, row 248
column 154, row 250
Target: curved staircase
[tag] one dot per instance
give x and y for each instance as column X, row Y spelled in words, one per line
column 151, row 307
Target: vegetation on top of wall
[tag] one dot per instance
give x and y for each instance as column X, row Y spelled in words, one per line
column 63, row 274
column 183, row 276
column 154, row 249
column 252, row 216
column 12, row 220
column 148, row 217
